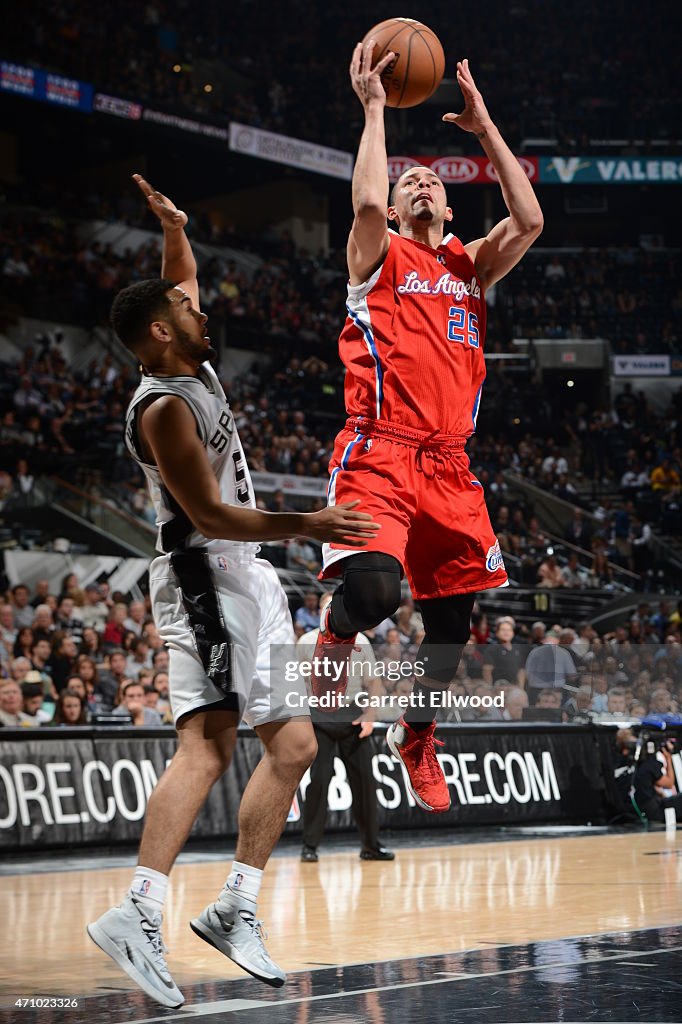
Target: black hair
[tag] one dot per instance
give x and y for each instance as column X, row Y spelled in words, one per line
column 137, row 306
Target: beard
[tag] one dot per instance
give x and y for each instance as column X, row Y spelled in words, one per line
column 191, row 347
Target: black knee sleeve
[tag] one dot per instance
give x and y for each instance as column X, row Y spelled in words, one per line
column 447, row 626
column 369, row 593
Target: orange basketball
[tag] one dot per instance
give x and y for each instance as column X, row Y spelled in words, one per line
column 419, row 64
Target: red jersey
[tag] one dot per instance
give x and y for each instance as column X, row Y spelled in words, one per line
column 412, row 344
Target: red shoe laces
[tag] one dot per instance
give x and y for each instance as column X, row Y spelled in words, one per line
column 428, row 761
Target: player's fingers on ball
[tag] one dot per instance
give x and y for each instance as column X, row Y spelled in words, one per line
column 384, row 62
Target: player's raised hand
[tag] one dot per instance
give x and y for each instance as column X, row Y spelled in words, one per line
column 365, row 79
column 475, row 117
column 165, row 209
column 341, row 525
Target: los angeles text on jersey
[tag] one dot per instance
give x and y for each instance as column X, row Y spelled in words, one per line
column 445, row 285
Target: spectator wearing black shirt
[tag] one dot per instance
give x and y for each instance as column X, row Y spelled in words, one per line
column 503, row 658
column 63, row 660
column 110, row 681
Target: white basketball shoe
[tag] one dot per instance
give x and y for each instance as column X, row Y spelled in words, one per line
column 133, row 940
column 233, row 930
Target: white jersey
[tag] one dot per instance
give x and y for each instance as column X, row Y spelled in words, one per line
column 215, row 424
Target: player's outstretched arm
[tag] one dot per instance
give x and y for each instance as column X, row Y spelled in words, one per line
column 177, row 263
column 495, row 255
column 368, row 241
column 168, row 429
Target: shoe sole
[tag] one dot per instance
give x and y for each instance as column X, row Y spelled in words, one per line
column 395, row 750
column 101, row 939
column 231, row 952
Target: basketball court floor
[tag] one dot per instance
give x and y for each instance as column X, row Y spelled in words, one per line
column 507, row 926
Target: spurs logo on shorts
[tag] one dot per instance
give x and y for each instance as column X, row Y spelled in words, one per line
column 218, row 660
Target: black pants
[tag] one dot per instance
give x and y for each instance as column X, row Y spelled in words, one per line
column 655, row 809
column 357, row 757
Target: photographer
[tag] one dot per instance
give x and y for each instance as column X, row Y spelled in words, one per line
column 655, row 780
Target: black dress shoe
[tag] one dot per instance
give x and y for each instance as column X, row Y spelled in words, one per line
column 309, row 855
column 377, row 852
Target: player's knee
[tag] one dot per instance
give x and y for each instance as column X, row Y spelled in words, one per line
column 296, row 759
column 215, row 758
column 371, row 590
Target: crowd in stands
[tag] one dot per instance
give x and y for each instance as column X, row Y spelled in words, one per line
column 67, row 657
column 55, row 420
column 631, row 297
column 291, row 75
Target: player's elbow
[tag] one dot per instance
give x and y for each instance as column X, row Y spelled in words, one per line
column 208, row 522
column 534, row 224
column 369, row 208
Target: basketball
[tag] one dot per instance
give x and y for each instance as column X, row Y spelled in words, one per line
column 419, row 64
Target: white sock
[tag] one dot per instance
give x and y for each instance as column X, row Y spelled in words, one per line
column 243, row 882
column 149, row 888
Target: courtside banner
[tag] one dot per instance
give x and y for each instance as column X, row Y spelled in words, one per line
column 81, row 787
column 458, row 170
column 282, row 149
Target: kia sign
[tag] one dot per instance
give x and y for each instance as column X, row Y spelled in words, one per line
column 458, row 170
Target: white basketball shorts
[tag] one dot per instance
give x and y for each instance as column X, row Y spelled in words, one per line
column 228, row 630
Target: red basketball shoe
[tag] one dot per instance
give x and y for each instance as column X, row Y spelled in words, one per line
column 417, row 751
column 330, row 676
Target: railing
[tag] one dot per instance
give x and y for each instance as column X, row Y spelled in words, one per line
column 103, row 515
column 561, row 512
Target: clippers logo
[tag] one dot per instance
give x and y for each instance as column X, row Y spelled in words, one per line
column 494, row 559
column 145, row 886
column 218, row 660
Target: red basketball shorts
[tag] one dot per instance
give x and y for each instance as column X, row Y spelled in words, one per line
column 431, row 508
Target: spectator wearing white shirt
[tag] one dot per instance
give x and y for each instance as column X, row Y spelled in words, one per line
column 94, row 612
column 302, row 555
column 136, row 617
column 573, row 576
column 555, row 270
column 23, row 612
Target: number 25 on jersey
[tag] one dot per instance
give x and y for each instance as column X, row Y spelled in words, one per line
column 462, row 328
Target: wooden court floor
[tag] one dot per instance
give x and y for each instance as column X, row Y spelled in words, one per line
column 430, row 900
